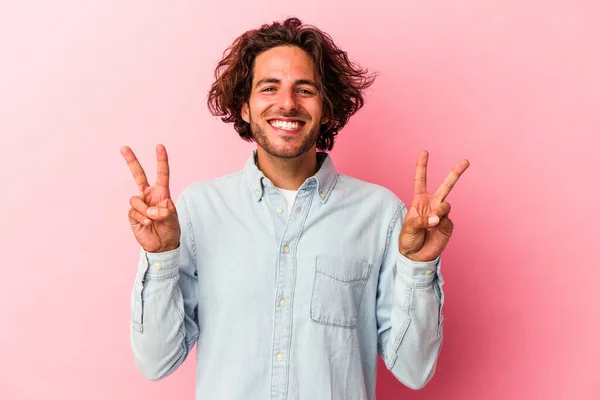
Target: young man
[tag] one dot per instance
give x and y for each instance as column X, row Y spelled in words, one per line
column 290, row 277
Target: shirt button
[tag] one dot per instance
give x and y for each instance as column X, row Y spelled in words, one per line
column 279, row 357
column 264, row 181
column 282, row 302
column 257, row 193
column 286, row 249
column 322, row 195
column 279, row 210
column 157, row 266
column 428, row 272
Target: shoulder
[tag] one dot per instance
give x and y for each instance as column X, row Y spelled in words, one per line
column 351, row 186
column 213, row 187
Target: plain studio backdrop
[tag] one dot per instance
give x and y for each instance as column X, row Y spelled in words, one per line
column 513, row 86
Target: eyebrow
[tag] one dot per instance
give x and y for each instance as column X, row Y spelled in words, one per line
column 296, row 83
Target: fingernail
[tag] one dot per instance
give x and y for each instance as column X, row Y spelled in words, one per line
column 152, row 212
column 433, row 220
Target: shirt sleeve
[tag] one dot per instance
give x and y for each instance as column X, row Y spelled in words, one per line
column 164, row 305
column 409, row 312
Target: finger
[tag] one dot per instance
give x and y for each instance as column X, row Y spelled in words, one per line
column 138, row 204
column 446, row 226
column 451, row 180
column 155, row 213
column 162, row 165
column 442, row 210
column 421, row 173
column 414, row 225
column 137, row 217
column 135, row 167
column 171, row 206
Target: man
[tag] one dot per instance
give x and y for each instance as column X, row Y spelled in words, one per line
column 290, row 277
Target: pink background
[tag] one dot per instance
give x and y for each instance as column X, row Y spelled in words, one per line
column 513, row 86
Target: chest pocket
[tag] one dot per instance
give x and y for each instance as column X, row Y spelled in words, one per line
column 338, row 290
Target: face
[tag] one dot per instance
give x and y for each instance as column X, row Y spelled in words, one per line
column 285, row 108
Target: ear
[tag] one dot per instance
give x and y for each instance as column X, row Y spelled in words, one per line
column 324, row 120
column 245, row 113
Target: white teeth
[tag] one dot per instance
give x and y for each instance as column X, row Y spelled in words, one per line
column 286, row 125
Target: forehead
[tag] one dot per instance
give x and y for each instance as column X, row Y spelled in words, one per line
column 284, row 63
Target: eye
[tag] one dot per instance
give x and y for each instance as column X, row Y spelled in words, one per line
column 305, row 91
column 268, row 89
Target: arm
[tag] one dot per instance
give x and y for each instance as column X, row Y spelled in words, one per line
column 409, row 312
column 410, row 297
column 164, row 326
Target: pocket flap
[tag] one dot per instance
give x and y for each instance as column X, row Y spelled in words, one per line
column 343, row 269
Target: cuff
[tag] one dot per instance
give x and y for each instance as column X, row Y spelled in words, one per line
column 417, row 273
column 157, row 265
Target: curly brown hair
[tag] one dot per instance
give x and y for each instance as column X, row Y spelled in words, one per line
column 341, row 82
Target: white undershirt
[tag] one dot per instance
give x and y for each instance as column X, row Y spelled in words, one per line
column 289, row 196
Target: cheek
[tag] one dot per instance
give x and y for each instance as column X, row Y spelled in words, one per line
column 315, row 112
column 260, row 106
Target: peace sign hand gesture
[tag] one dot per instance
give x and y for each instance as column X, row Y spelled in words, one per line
column 427, row 228
column 153, row 215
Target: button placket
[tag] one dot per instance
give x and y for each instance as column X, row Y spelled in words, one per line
column 287, row 232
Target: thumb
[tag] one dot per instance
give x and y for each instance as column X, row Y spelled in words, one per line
column 163, row 211
column 421, row 222
column 157, row 213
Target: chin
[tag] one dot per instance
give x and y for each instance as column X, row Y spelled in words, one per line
column 273, row 143
column 284, row 152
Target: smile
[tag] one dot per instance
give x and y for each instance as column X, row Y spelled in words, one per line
column 286, row 125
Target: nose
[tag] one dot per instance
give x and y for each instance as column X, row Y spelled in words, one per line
column 287, row 100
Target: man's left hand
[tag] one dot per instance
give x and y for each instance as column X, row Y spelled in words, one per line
column 427, row 228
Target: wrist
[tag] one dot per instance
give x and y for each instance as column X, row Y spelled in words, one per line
column 170, row 247
column 164, row 249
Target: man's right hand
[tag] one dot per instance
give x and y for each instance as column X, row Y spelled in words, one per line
column 153, row 215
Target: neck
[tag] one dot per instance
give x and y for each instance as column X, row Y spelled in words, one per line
column 287, row 173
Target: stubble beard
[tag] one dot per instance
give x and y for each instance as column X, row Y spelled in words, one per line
column 308, row 141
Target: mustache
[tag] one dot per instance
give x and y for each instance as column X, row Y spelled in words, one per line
column 292, row 114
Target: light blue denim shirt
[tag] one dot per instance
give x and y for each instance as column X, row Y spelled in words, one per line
column 285, row 306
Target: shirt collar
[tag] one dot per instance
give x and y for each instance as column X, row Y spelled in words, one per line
column 324, row 179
